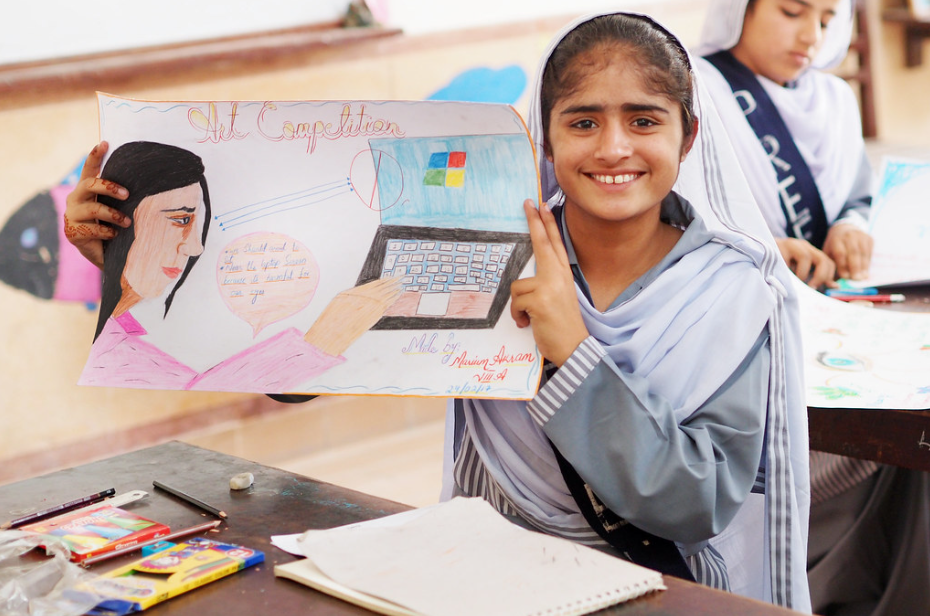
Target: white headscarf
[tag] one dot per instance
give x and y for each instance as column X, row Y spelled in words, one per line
column 819, row 109
column 724, row 25
column 645, row 335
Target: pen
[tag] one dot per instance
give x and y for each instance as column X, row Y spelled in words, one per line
column 57, row 509
column 169, row 537
column 190, row 499
column 878, row 299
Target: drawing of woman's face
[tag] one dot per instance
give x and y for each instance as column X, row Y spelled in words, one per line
column 168, row 227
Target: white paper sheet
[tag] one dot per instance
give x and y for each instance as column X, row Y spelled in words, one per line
column 299, row 192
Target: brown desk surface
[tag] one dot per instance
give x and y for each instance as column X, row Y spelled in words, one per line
column 889, row 436
column 278, row 503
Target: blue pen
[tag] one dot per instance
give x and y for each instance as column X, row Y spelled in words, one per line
column 852, row 291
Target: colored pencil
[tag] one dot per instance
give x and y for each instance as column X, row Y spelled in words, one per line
column 190, row 499
column 58, row 509
column 169, row 537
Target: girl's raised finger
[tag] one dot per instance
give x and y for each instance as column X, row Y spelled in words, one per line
column 554, row 235
column 94, row 160
column 539, row 235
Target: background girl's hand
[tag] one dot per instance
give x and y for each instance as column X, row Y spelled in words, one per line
column 851, row 250
column 83, row 213
column 547, row 301
column 809, row 264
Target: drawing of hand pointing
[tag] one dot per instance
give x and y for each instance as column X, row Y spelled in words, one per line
column 352, row 313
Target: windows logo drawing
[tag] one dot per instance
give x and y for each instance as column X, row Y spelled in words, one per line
column 445, row 169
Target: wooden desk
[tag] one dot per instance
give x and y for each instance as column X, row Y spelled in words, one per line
column 897, row 437
column 279, row 503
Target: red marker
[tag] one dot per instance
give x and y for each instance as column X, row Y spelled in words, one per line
column 878, row 299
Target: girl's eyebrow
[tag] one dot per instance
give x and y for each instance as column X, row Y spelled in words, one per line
column 626, row 107
column 808, row 5
column 189, row 210
column 643, row 108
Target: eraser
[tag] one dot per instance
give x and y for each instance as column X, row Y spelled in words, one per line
column 241, row 481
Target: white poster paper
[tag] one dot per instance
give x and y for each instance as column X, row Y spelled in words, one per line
column 356, row 247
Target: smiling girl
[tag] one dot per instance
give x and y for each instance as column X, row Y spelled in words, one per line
column 671, row 391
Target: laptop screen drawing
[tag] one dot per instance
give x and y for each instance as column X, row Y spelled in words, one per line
column 451, row 228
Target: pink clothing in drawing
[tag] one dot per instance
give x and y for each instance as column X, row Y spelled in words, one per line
column 122, row 357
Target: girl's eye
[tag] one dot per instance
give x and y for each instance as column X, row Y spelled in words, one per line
column 644, row 122
column 181, row 221
column 583, row 124
column 789, row 13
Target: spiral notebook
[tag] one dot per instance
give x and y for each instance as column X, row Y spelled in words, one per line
column 462, row 558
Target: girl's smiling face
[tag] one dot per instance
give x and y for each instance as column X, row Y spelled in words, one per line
column 168, row 230
column 780, row 38
column 615, row 144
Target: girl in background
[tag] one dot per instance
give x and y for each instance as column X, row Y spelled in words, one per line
column 797, row 130
column 672, row 388
column 799, row 137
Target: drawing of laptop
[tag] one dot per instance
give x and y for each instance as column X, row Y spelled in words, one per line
column 452, row 227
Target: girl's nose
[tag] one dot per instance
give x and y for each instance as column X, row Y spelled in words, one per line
column 615, row 143
column 812, row 31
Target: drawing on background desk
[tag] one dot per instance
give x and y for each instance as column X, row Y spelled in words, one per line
column 860, row 357
column 369, row 248
column 900, row 224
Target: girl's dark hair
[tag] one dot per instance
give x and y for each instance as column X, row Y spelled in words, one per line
column 144, row 168
column 662, row 60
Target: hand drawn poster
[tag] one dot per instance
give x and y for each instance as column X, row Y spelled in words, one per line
column 900, row 224
column 863, row 357
column 357, row 247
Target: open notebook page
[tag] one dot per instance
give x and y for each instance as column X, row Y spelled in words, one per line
column 461, row 558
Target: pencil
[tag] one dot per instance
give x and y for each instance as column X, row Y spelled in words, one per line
column 169, row 537
column 58, row 509
column 187, row 497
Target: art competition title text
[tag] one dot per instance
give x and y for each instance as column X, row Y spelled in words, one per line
column 272, row 124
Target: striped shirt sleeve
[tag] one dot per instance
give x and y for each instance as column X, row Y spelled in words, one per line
column 566, row 380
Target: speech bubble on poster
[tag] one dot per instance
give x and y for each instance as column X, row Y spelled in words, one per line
column 265, row 277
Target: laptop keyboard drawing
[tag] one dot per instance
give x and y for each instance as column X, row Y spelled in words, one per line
column 452, row 278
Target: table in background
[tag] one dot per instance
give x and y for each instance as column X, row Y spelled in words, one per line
column 889, row 436
column 279, row 502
